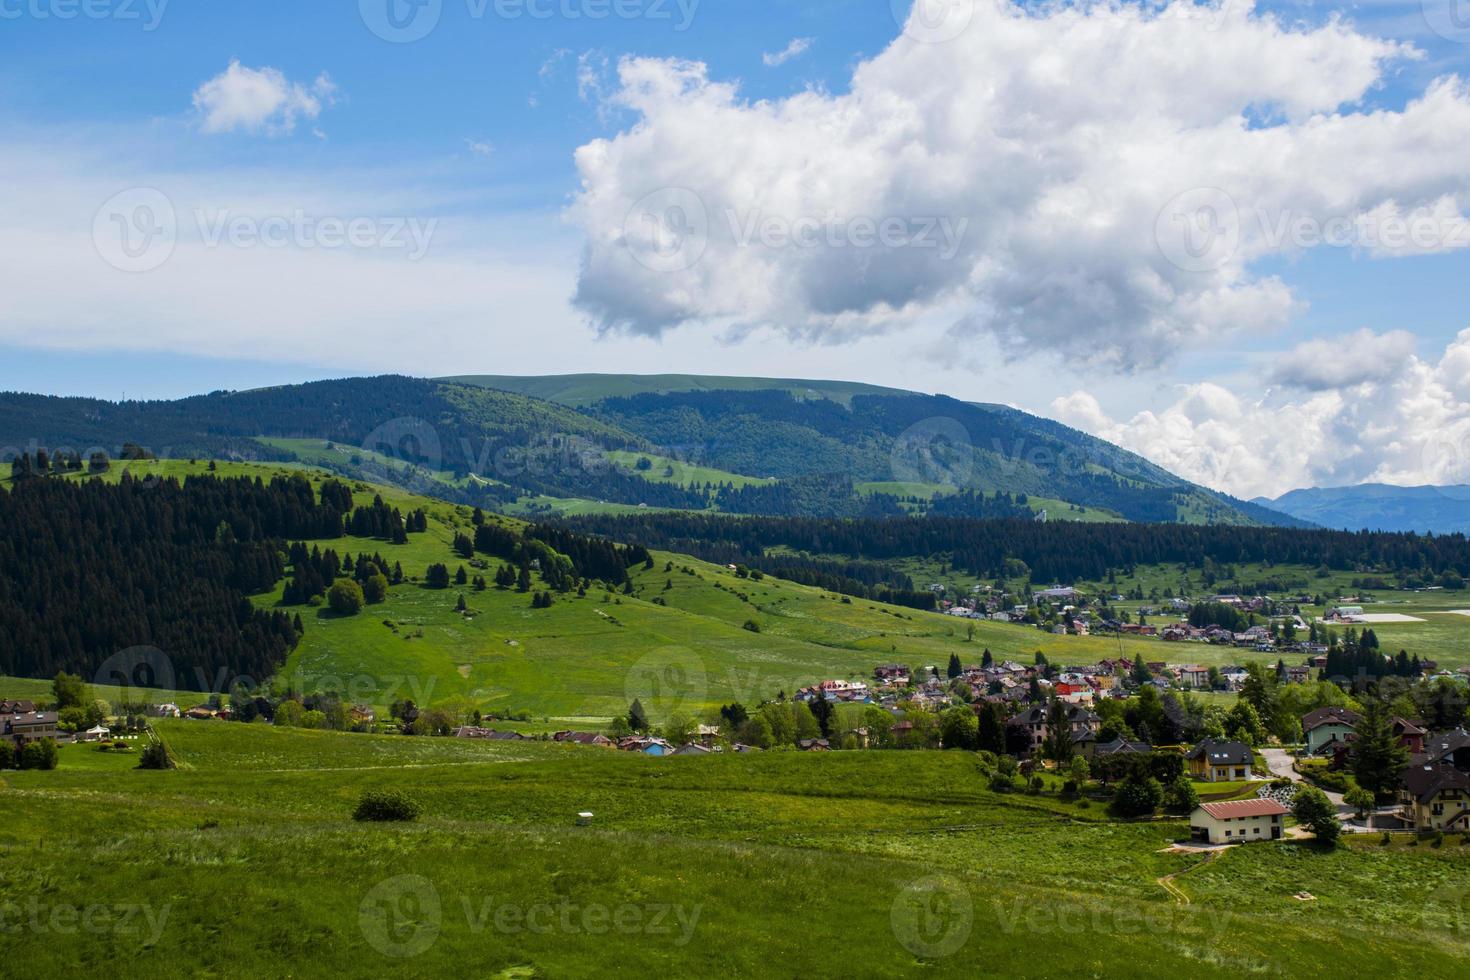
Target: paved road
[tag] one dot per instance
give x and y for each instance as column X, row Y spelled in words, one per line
column 1279, row 762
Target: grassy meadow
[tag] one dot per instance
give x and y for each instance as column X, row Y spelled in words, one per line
column 246, row 862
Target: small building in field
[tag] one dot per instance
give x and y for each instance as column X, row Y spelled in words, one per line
column 1238, row 821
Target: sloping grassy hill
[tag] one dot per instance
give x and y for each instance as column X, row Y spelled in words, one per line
column 582, row 390
column 861, row 864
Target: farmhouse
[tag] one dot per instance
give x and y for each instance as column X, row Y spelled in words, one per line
column 27, row 726
column 1237, row 821
column 1217, row 762
column 1325, row 728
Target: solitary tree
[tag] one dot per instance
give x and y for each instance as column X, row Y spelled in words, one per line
column 345, row 597
column 1315, row 812
column 637, row 717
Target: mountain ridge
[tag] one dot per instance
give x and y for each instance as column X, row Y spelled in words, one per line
column 834, row 448
column 1379, row 507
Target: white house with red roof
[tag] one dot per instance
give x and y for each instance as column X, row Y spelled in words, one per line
column 1237, row 821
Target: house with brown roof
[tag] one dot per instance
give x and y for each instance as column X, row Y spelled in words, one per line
column 1237, row 821
column 1033, row 721
column 1217, row 762
column 1435, row 796
column 1409, row 735
column 22, row 727
column 585, row 738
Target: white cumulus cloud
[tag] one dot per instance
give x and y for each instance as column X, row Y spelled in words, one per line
column 1407, row 426
column 259, row 100
column 1096, row 180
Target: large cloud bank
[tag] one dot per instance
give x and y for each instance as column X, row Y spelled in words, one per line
column 1092, row 180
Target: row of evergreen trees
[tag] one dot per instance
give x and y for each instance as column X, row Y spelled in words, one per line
column 1057, row 551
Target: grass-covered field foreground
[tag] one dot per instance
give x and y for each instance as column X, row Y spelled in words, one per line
column 246, row 863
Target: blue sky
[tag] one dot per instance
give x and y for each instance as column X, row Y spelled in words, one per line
column 475, row 128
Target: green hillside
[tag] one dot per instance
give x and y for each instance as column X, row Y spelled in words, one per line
column 738, row 445
column 836, row 432
column 583, row 390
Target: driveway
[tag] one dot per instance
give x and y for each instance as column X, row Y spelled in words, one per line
column 1279, row 762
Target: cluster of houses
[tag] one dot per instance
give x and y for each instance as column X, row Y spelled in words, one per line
column 705, row 741
column 1434, row 792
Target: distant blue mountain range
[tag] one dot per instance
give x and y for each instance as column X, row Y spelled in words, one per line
column 1379, row 507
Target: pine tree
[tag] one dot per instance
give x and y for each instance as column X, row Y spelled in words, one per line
column 1377, row 757
column 637, row 717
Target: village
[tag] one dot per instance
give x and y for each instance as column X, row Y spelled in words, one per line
column 1137, row 734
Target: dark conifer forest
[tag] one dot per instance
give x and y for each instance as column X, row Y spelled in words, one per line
column 90, row 569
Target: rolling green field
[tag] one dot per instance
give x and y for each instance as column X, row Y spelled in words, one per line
column 246, row 862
